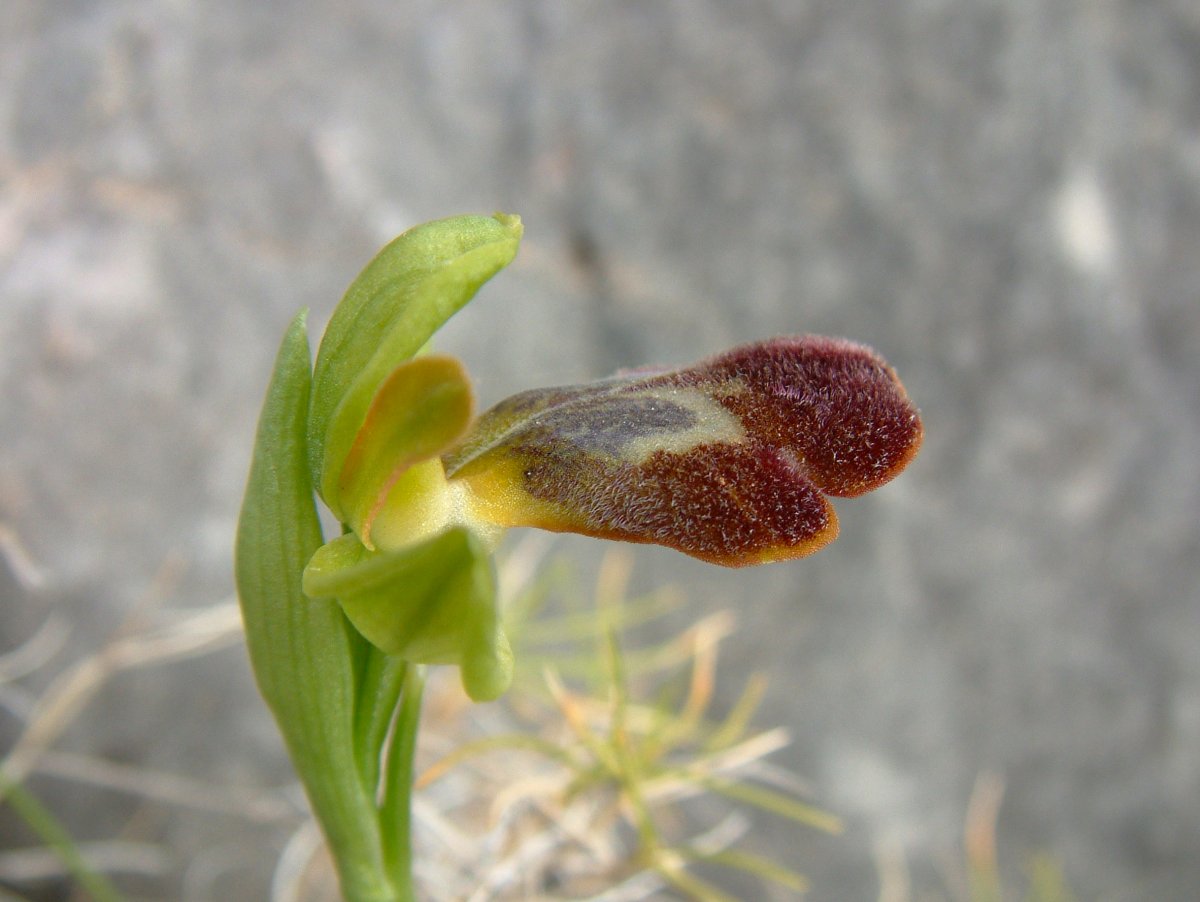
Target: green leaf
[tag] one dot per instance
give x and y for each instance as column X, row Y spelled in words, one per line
column 405, row 294
column 429, row 603
column 304, row 653
column 421, row 409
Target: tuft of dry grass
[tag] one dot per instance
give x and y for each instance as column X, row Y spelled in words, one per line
column 587, row 781
column 153, row 635
column 584, row 792
column 571, row 789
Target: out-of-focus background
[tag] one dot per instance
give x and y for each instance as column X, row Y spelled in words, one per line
column 1002, row 196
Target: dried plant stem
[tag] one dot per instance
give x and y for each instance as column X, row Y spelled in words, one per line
column 73, row 689
column 171, row 789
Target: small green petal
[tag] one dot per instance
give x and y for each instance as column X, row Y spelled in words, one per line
column 404, row 295
column 429, row 603
column 421, row 409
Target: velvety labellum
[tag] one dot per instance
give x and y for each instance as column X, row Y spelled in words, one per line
column 728, row 460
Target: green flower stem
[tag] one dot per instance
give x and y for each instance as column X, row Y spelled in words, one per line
column 380, row 683
column 396, row 821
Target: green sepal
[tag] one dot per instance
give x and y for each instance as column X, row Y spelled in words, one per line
column 421, row 409
column 404, row 295
column 429, row 603
column 305, row 655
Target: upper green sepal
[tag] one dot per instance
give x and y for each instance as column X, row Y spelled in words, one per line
column 430, row 603
column 404, row 295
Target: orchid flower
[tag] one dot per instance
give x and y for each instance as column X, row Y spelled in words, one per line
column 731, row 460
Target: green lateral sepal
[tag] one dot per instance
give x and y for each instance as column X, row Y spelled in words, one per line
column 433, row 602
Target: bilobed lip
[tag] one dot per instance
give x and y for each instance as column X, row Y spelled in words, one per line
column 728, row 460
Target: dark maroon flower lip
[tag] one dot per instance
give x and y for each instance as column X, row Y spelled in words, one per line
column 728, row 460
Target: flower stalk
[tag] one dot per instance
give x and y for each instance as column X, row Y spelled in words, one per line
column 730, row 460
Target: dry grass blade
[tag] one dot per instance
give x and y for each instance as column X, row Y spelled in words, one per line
column 245, row 802
column 487, row 744
column 30, row 656
column 193, row 634
column 538, row 852
column 28, row 575
column 584, row 810
column 681, row 781
column 523, row 563
column 982, row 812
column 642, row 885
column 188, row 634
column 289, row 879
column 35, row 864
column 36, row 651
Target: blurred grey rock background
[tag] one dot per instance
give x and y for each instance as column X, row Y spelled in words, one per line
column 1003, row 196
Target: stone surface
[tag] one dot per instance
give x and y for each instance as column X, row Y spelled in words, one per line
column 1001, row 197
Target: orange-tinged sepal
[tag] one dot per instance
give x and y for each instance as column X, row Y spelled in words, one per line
column 420, row 410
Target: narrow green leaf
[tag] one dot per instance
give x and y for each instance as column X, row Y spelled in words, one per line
column 429, row 603
column 403, row 296
column 303, row 652
column 42, row 821
column 676, row 874
column 736, row 723
column 768, row 800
